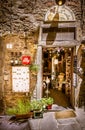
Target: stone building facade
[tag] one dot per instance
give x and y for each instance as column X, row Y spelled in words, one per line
column 20, row 21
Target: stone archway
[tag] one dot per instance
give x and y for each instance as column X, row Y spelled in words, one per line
column 60, row 13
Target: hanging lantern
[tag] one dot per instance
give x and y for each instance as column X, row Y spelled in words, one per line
column 60, row 2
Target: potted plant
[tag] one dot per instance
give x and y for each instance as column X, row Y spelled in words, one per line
column 21, row 110
column 49, row 101
column 36, row 105
column 44, row 103
column 36, row 108
column 34, row 68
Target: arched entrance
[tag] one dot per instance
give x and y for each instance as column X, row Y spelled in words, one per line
column 60, row 13
column 58, row 32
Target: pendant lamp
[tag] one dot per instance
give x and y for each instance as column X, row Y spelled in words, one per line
column 60, row 2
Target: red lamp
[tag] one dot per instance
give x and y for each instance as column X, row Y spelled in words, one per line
column 26, row 60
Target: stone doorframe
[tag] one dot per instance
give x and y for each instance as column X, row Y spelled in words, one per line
column 63, row 20
column 42, row 44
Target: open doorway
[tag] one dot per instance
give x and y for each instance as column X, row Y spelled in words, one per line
column 57, row 74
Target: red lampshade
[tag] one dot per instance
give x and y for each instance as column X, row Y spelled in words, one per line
column 26, row 60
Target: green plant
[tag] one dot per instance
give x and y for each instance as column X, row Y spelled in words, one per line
column 11, row 111
column 22, row 107
column 34, row 68
column 49, row 101
column 36, row 105
column 44, row 101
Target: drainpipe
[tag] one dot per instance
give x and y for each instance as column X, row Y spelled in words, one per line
column 39, row 75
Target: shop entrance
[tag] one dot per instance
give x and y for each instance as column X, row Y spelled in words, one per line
column 58, row 37
column 57, row 74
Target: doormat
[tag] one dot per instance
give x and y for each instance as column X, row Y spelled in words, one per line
column 64, row 114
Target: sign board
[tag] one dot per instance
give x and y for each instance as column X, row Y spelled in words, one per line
column 20, row 79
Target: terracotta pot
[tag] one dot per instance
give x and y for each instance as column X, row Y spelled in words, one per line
column 49, row 107
column 24, row 116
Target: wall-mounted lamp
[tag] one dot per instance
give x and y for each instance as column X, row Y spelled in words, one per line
column 9, row 46
column 60, row 2
column 15, row 58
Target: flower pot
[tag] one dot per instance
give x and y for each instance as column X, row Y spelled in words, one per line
column 38, row 114
column 24, row 116
column 49, row 106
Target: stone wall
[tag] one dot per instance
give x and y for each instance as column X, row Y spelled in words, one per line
column 1, row 74
column 1, row 66
column 82, row 86
column 18, row 17
column 18, row 44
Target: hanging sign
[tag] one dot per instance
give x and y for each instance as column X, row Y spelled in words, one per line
column 26, row 60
